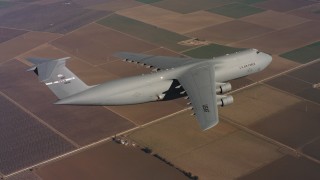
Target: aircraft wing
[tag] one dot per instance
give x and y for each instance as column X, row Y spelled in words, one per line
column 199, row 83
column 161, row 62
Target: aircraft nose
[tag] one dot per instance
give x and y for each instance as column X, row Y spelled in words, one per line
column 267, row 58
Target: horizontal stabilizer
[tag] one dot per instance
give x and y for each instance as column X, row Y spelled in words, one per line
column 60, row 80
column 44, row 67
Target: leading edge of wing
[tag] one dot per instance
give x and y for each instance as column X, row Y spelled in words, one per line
column 162, row 62
column 199, row 83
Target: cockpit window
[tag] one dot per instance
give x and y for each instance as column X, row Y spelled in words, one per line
column 258, row 52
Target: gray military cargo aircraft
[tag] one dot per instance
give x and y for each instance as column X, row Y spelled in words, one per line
column 203, row 81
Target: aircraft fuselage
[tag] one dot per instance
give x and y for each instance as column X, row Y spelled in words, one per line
column 155, row 86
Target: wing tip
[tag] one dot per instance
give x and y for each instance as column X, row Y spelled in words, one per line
column 37, row 60
column 209, row 126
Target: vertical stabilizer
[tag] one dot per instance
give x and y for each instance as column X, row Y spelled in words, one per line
column 54, row 73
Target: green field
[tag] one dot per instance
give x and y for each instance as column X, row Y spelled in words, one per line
column 316, row 11
column 4, row 4
column 145, row 31
column 249, row 1
column 188, row 6
column 209, row 51
column 148, row 1
column 236, row 10
column 305, row 54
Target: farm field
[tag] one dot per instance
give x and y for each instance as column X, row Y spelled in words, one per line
column 271, row 131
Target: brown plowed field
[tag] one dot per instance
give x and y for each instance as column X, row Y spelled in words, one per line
column 256, row 103
column 7, row 34
column 110, row 161
column 24, row 43
column 295, row 126
column 283, row 5
column 176, row 22
column 56, row 17
column 287, row 167
column 229, row 32
column 230, row 157
column 96, row 44
column 116, row 5
column 267, row 19
column 284, row 40
column 310, row 12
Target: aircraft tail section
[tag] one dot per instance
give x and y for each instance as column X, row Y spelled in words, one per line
column 60, row 80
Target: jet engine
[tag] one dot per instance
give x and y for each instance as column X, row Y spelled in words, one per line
column 224, row 87
column 226, row 100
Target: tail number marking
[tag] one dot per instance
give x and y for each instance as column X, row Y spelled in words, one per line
column 205, row 108
column 65, row 81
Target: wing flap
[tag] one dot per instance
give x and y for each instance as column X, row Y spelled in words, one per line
column 199, row 84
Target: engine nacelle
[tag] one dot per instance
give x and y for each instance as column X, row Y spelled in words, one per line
column 225, row 101
column 223, row 88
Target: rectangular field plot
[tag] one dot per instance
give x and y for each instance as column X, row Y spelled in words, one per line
column 304, row 54
column 283, row 5
column 24, row 140
column 313, row 149
column 256, row 103
column 23, row 43
column 189, row 6
column 182, row 135
column 300, row 82
column 236, row 10
column 309, row 12
column 289, row 84
column 228, row 157
column 225, row 33
column 172, row 21
column 115, row 5
column 210, row 51
column 294, row 126
column 267, row 19
column 312, row 94
column 249, row 1
column 96, row 44
column 110, row 161
column 148, row 1
column 284, row 40
column 26, row 175
column 144, row 31
column 287, row 167
column 309, row 73
column 55, row 17
column 7, row 34
column 85, row 3
column 5, row 4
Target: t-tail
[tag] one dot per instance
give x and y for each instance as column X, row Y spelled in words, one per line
column 54, row 73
